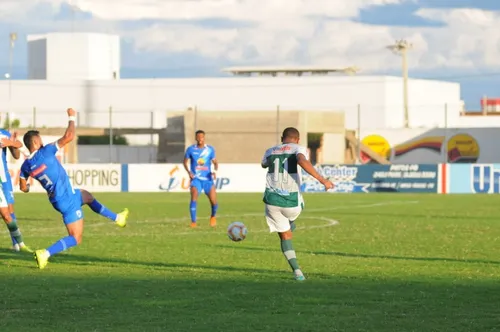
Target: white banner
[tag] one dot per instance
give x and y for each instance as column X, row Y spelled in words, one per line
column 248, row 178
column 92, row 177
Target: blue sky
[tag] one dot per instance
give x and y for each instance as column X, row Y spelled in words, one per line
column 457, row 40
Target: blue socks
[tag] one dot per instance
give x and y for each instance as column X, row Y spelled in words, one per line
column 14, row 242
column 102, row 210
column 61, row 245
column 192, row 210
column 214, row 209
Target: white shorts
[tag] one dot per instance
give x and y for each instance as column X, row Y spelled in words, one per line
column 278, row 218
column 3, row 200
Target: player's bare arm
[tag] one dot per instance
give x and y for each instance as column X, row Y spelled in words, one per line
column 69, row 134
column 14, row 145
column 24, row 186
column 309, row 168
column 216, row 167
column 186, row 167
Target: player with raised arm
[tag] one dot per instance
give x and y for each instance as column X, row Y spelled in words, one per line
column 8, row 141
column 201, row 174
column 282, row 197
column 43, row 165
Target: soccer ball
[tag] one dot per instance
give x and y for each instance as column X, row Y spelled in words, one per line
column 237, row 231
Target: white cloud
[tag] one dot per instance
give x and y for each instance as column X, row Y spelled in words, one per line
column 279, row 32
column 240, row 10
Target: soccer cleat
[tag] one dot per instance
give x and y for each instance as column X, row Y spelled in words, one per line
column 213, row 222
column 299, row 275
column 16, row 247
column 42, row 258
column 193, row 225
column 122, row 218
column 25, row 248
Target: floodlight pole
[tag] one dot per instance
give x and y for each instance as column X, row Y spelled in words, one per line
column 401, row 47
column 12, row 39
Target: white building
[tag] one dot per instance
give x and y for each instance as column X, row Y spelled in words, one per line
column 70, row 56
column 82, row 71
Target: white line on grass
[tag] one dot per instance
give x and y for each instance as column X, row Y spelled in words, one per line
column 330, row 222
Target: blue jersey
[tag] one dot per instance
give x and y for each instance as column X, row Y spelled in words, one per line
column 4, row 169
column 201, row 161
column 43, row 166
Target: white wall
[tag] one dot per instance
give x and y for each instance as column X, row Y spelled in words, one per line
column 427, row 103
column 136, row 101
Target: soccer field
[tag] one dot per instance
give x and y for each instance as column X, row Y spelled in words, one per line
column 378, row 262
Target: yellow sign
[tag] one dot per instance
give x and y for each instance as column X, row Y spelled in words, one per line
column 462, row 148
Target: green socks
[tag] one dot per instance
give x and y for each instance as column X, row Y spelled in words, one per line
column 287, row 249
column 15, row 232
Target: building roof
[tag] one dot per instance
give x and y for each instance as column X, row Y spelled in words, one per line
column 290, row 71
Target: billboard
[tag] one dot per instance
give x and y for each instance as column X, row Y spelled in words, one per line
column 474, row 179
column 410, row 178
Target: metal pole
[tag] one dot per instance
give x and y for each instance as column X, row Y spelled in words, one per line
column 278, row 138
column 110, row 134
column 34, row 117
column 12, row 39
column 151, row 138
column 359, row 133
column 446, row 134
column 195, row 119
column 405, row 87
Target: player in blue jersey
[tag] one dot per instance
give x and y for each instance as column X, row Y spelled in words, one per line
column 43, row 165
column 198, row 163
column 10, row 142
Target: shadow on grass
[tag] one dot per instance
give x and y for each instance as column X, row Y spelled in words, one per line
column 69, row 258
column 344, row 254
column 137, row 302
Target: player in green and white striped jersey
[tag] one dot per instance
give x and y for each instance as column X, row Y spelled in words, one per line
column 282, row 196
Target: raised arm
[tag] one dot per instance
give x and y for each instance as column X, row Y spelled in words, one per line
column 309, row 168
column 23, row 179
column 69, row 134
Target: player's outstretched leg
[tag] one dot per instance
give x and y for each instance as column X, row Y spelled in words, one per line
column 212, row 197
column 119, row 218
column 14, row 231
column 289, row 252
column 15, row 245
column 74, row 238
column 193, row 204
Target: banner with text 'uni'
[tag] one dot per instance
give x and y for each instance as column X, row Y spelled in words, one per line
column 409, row 178
column 474, row 178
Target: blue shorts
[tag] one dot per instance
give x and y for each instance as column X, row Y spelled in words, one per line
column 202, row 185
column 8, row 191
column 70, row 207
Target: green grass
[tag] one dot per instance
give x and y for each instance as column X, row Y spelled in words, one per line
column 393, row 263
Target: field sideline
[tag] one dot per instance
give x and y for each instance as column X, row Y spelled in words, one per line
column 376, row 262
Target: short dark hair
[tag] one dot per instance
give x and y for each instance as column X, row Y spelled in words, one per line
column 28, row 138
column 199, row 132
column 290, row 132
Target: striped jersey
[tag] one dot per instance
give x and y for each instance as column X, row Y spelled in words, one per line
column 284, row 175
column 4, row 169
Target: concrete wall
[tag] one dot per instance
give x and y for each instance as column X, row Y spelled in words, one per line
column 430, row 104
column 91, row 154
column 243, row 137
column 135, row 99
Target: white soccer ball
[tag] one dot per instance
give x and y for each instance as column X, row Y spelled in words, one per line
column 237, row 231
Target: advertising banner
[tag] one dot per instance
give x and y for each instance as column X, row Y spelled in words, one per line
column 474, row 178
column 248, row 178
column 411, row 178
column 92, row 177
